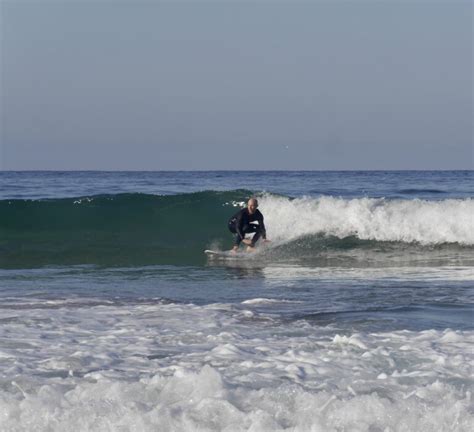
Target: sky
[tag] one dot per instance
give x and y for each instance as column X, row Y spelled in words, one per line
column 219, row 85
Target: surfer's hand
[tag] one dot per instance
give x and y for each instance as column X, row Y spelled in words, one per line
column 266, row 241
column 248, row 242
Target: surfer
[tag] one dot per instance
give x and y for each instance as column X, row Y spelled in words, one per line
column 241, row 224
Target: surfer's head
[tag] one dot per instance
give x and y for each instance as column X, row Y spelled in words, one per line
column 252, row 205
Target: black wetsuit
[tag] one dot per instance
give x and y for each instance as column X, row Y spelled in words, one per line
column 240, row 224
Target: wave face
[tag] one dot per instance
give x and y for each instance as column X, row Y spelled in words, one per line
column 141, row 229
column 123, row 229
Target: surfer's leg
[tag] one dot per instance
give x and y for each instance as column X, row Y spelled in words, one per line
column 258, row 233
column 237, row 239
column 246, row 229
column 253, row 228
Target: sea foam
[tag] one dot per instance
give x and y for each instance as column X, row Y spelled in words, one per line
column 213, row 368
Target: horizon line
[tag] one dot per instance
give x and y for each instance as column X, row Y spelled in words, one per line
column 231, row 170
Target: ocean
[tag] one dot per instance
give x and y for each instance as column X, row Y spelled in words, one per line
column 358, row 316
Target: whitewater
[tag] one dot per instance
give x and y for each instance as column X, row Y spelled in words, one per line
column 358, row 316
column 227, row 367
column 421, row 221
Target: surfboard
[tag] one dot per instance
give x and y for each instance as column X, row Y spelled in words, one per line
column 224, row 254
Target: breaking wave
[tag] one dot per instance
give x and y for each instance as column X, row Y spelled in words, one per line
column 407, row 221
column 141, row 229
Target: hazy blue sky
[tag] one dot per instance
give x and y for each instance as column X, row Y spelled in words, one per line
column 236, row 85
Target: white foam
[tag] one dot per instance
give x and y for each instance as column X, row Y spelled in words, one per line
column 425, row 222
column 257, row 301
column 185, row 368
